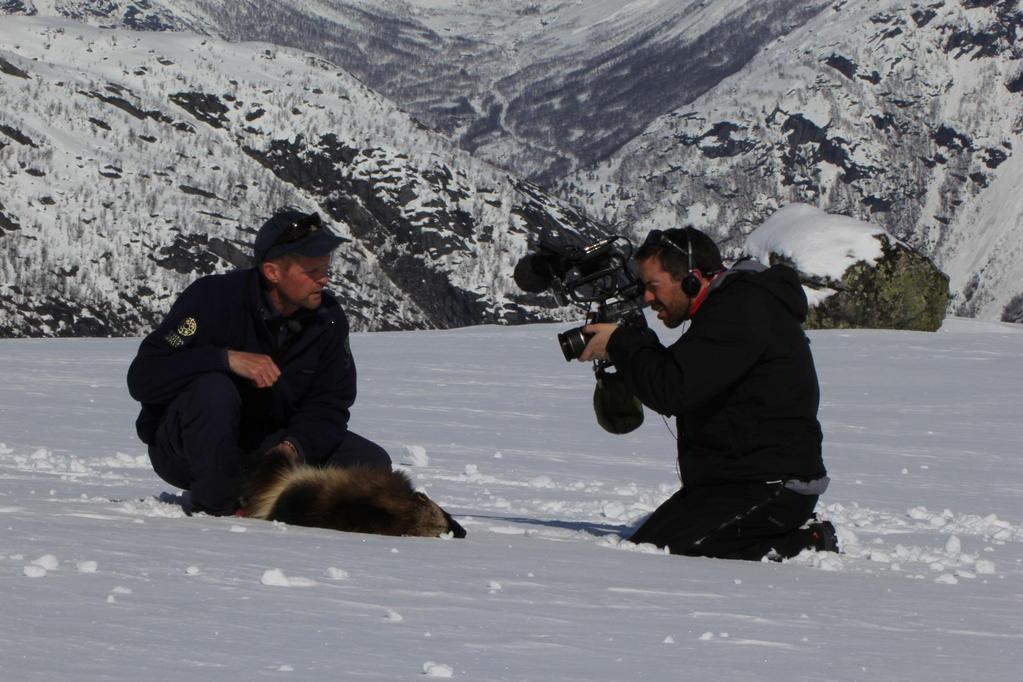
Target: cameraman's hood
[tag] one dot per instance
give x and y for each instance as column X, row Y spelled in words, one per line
column 779, row 280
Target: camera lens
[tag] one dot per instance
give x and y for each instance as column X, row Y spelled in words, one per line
column 573, row 342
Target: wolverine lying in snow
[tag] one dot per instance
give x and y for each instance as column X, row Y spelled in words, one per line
column 358, row 500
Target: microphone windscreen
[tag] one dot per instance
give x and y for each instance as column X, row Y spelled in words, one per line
column 532, row 275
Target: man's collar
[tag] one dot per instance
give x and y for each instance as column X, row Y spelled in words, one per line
column 704, row 292
column 266, row 306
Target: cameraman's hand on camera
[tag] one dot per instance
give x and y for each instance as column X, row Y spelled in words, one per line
column 596, row 348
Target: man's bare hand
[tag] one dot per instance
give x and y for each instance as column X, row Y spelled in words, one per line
column 596, row 348
column 257, row 367
column 284, row 449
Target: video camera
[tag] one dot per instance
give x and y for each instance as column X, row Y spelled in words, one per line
column 596, row 276
column 599, row 277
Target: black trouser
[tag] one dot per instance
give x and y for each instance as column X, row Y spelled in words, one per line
column 732, row 521
column 205, row 440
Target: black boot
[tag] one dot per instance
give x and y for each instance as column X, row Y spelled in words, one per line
column 822, row 536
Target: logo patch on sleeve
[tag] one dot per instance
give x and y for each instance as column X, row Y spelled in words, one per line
column 187, row 328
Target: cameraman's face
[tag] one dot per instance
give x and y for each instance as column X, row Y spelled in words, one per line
column 663, row 293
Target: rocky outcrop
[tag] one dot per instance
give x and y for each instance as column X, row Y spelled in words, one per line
column 1014, row 310
column 902, row 290
column 855, row 274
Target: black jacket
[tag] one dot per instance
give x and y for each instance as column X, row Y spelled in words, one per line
column 741, row 382
column 310, row 401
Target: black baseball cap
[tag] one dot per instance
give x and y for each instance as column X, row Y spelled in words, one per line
column 294, row 232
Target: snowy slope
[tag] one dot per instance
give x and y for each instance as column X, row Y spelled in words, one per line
column 103, row 578
column 906, row 115
column 133, row 162
column 539, row 87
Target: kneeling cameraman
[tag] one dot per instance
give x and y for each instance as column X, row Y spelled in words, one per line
column 742, row 385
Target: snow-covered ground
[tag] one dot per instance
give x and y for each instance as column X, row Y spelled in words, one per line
column 102, row 576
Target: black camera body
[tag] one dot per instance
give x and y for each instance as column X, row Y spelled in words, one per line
column 597, row 276
column 624, row 312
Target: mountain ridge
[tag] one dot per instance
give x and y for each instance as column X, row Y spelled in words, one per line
column 132, row 162
column 539, row 88
column 904, row 116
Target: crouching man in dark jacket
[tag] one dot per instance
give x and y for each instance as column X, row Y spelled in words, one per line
column 742, row 385
column 249, row 361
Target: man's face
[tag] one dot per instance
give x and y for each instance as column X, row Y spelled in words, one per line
column 297, row 282
column 663, row 293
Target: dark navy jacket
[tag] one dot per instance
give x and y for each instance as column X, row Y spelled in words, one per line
column 741, row 382
column 310, row 401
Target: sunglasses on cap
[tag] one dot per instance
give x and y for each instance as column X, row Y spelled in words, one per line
column 656, row 238
column 298, row 230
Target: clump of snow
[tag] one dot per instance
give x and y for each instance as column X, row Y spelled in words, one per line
column 43, row 459
column 613, row 510
column 122, row 460
column 818, row 243
column 415, row 456
column 336, row 573
column 541, row 482
column 275, row 577
column 47, row 562
column 825, row 561
column 118, row 590
column 153, row 507
column 33, row 571
column 393, row 616
column 985, row 567
column 431, row 669
column 86, row 566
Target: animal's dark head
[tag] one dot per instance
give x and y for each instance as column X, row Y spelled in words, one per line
column 451, row 526
column 401, row 510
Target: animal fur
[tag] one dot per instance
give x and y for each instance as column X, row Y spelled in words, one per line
column 358, row 500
